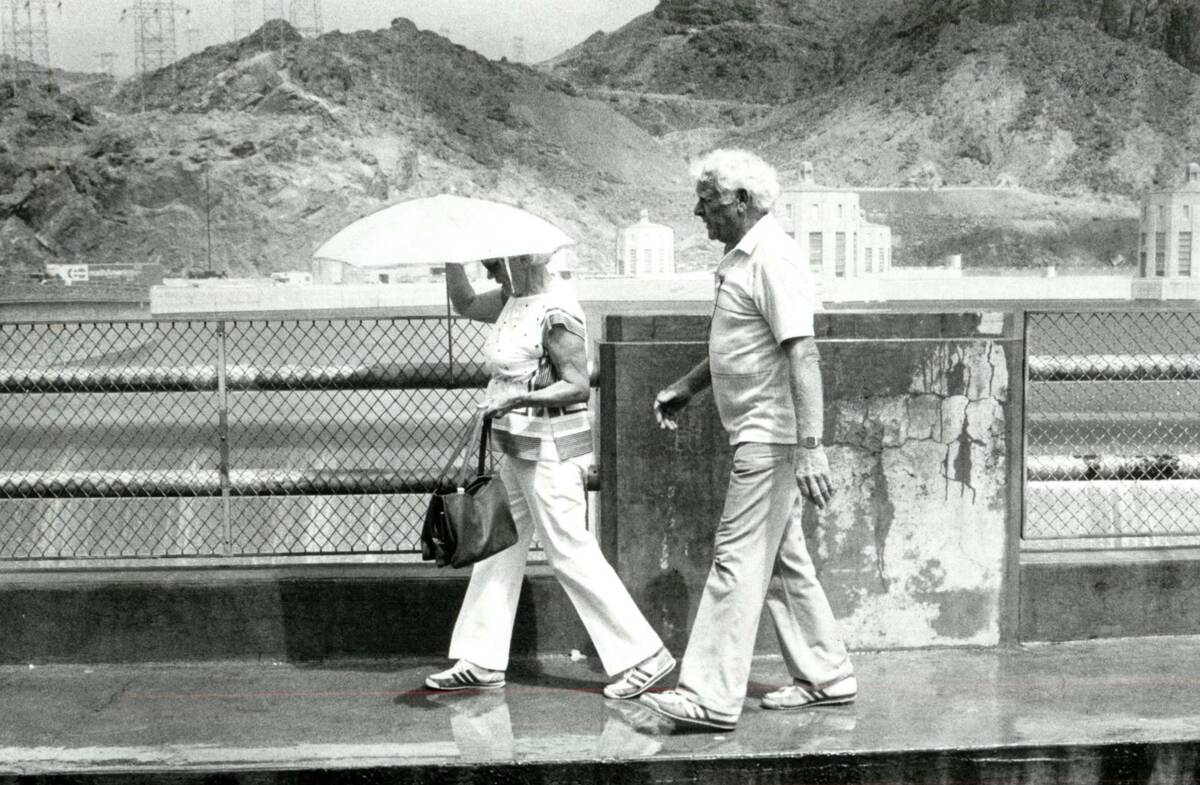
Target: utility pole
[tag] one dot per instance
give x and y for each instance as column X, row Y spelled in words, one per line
column 207, row 220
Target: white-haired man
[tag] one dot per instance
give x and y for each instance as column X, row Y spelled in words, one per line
column 763, row 368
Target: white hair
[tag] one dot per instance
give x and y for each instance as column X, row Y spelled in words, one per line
column 728, row 170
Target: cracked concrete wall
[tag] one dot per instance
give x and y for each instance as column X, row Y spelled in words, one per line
column 912, row 549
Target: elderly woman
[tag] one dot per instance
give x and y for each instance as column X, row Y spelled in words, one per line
column 538, row 395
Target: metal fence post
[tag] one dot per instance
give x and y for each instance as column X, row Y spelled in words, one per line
column 223, row 438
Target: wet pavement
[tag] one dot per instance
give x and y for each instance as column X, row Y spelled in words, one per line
column 213, row 717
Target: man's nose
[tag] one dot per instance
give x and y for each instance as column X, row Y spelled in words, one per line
column 699, row 209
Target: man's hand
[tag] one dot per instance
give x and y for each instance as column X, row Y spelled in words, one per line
column 812, row 475
column 667, row 406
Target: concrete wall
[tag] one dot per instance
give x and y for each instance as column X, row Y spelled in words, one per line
column 915, row 549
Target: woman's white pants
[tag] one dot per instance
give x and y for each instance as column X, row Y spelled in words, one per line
column 549, row 497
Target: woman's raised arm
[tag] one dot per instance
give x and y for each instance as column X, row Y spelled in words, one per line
column 484, row 307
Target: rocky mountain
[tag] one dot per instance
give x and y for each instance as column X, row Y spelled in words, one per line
column 1089, row 103
column 253, row 153
column 248, row 155
column 779, row 50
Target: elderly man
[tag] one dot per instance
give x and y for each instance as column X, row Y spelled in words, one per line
column 763, row 368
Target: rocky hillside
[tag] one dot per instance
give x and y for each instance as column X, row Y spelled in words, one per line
column 779, row 50
column 746, row 50
column 271, row 144
column 1042, row 99
column 1049, row 104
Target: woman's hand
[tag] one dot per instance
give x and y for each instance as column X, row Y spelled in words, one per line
column 502, row 405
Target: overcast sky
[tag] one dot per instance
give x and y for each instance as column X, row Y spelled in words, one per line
column 79, row 30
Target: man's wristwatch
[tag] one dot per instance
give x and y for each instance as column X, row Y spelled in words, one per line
column 810, row 442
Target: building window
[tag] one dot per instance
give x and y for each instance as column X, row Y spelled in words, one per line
column 839, row 255
column 1160, row 254
column 1162, row 216
column 816, row 251
column 870, row 260
column 1185, row 254
column 1187, row 214
column 1142, row 254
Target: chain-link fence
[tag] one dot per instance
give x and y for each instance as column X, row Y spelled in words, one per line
column 1112, row 408
column 229, row 438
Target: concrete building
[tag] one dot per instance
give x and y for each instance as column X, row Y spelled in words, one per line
column 646, row 249
column 332, row 271
column 833, row 233
column 1167, row 242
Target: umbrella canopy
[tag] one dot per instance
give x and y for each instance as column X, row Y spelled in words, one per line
column 439, row 229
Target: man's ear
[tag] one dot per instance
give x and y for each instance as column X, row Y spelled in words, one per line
column 743, row 197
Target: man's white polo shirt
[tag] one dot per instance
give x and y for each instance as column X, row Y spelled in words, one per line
column 764, row 296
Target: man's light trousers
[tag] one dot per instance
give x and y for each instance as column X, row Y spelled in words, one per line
column 549, row 497
column 760, row 554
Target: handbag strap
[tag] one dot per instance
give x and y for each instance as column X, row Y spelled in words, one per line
column 485, row 432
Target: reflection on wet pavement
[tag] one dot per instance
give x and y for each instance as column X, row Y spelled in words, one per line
column 71, row 718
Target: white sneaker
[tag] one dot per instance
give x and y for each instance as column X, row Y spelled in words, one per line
column 802, row 694
column 464, row 675
column 642, row 676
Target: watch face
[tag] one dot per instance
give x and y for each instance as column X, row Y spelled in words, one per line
column 810, row 443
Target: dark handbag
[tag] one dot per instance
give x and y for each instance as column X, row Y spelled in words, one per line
column 471, row 523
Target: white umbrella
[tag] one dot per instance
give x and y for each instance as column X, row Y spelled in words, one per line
column 439, row 229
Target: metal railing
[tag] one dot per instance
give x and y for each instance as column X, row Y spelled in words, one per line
column 128, row 440
column 1112, row 407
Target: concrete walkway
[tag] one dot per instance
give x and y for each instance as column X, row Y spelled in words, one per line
column 1103, row 711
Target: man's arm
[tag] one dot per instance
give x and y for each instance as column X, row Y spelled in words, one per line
column 670, row 402
column 804, row 373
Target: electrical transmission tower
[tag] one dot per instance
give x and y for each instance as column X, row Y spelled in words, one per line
column 306, row 17
column 274, row 9
column 193, row 33
column 153, row 34
column 108, row 63
column 26, row 37
column 243, row 18
column 518, row 49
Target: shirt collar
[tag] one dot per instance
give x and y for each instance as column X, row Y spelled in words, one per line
column 751, row 239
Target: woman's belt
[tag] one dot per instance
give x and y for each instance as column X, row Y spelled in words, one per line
column 552, row 411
